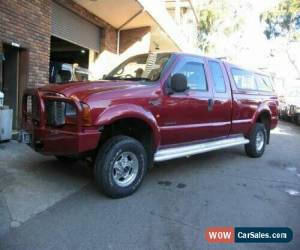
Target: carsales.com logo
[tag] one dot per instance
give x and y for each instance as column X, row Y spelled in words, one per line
column 248, row 234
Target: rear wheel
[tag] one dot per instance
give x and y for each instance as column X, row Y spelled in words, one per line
column 298, row 119
column 258, row 138
column 120, row 166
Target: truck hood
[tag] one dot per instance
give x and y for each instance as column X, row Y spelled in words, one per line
column 82, row 90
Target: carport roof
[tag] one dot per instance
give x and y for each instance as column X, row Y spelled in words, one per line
column 129, row 14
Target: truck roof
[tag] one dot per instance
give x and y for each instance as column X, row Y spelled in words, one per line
column 256, row 71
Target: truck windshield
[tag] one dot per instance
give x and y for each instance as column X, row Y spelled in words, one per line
column 146, row 67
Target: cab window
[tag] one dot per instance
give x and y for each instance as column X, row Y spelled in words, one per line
column 195, row 75
column 218, row 77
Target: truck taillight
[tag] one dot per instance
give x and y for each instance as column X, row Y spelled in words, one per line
column 86, row 115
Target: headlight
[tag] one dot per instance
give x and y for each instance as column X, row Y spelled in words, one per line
column 60, row 113
column 70, row 113
column 70, row 110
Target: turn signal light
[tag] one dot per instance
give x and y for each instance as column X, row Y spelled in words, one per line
column 86, row 115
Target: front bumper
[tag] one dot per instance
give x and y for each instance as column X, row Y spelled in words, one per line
column 57, row 142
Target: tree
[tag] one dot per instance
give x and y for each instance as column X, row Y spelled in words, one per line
column 217, row 18
column 283, row 21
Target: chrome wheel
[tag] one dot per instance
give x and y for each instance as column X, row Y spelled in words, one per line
column 125, row 169
column 259, row 140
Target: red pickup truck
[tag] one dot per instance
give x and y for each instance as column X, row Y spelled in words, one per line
column 152, row 107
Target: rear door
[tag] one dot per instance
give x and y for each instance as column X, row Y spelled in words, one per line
column 220, row 115
column 185, row 117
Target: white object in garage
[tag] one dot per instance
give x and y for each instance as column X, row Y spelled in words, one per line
column 6, row 117
column 1, row 99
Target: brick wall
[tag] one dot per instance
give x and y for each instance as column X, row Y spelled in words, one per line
column 131, row 36
column 28, row 23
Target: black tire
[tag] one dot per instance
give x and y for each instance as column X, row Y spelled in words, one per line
column 298, row 119
column 105, row 171
column 66, row 159
column 254, row 149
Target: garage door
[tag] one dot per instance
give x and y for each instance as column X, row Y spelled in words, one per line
column 71, row 27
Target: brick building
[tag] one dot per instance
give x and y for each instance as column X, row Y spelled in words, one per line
column 93, row 34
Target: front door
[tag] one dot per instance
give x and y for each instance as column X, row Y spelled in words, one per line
column 186, row 116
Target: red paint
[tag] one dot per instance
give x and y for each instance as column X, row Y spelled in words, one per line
column 174, row 119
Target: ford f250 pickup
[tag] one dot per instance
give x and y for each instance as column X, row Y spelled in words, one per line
column 153, row 107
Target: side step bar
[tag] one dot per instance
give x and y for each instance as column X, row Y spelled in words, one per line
column 182, row 151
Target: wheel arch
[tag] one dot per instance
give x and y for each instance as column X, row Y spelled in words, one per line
column 263, row 115
column 132, row 114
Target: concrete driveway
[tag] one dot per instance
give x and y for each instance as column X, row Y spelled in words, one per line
column 47, row 205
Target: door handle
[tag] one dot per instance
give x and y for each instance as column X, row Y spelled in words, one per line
column 210, row 104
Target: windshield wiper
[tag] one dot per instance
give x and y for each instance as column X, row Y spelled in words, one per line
column 111, row 78
column 138, row 79
column 127, row 78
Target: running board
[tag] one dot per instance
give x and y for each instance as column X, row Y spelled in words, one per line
column 182, row 151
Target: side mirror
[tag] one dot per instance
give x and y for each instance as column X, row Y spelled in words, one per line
column 179, row 83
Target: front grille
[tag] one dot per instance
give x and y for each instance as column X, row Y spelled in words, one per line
column 55, row 112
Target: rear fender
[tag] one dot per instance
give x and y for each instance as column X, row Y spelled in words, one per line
column 262, row 108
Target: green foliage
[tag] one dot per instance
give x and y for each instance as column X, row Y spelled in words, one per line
column 208, row 18
column 213, row 22
column 283, row 20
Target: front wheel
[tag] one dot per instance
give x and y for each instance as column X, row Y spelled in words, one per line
column 120, row 166
column 258, row 138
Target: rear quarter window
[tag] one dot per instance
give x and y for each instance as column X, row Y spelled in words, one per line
column 264, row 83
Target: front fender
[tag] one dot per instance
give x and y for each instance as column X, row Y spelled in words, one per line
column 122, row 111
